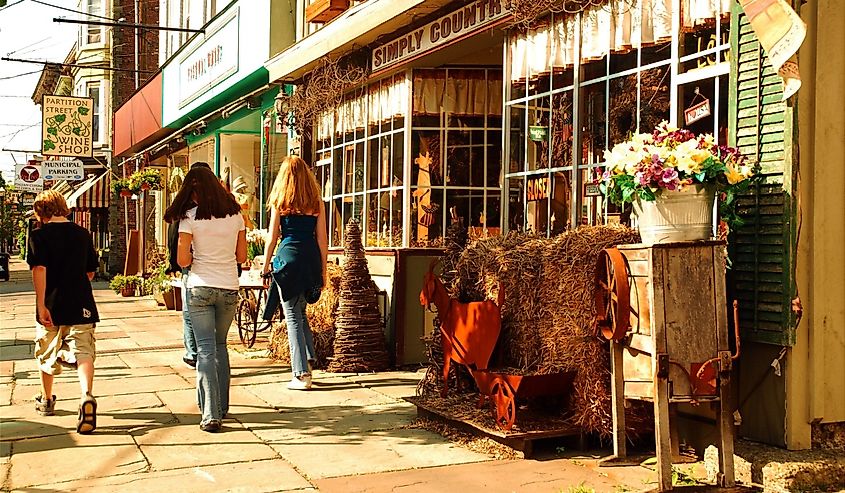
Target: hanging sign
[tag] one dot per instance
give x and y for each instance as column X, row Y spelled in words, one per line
column 592, row 190
column 66, row 126
column 697, row 112
column 28, row 177
column 537, row 188
column 63, row 170
column 210, row 62
column 447, row 29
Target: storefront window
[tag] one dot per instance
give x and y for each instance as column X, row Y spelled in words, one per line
column 597, row 90
column 359, row 153
column 455, row 153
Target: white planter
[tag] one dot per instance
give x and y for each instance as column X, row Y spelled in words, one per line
column 676, row 216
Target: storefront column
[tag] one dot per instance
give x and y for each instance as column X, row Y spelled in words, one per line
column 406, row 167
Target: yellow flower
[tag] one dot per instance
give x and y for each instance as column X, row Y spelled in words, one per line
column 733, row 175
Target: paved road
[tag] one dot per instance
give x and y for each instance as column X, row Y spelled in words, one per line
column 350, row 433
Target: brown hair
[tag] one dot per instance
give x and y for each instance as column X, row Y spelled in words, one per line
column 295, row 190
column 49, row 204
column 212, row 200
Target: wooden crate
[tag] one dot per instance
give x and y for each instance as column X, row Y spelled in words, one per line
column 322, row 11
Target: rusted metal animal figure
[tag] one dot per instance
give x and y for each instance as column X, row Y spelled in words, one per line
column 470, row 330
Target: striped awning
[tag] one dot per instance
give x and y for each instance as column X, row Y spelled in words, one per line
column 93, row 193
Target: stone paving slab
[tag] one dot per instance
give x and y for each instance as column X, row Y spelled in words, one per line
column 273, row 475
column 372, row 452
column 117, row 386
column 336, row 421
column 489, row 477
column 72, row 457
column 113, row 414
column 146, row 359
column 322, row 394
column 185, row 445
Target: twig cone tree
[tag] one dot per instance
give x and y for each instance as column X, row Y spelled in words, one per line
column 359, row 343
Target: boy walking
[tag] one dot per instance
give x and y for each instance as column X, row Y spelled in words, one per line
column 62, row 259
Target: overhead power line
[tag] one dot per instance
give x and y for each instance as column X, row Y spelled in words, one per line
column 19, row 75
column 92, row 67
column 129, row 25
column 72, row 10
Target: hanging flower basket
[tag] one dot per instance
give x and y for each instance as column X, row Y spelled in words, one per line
column 146, row 179
column 672, row 177
column 126, row 193
column 120, row 186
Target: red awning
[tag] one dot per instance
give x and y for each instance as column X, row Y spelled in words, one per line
column 91, row 194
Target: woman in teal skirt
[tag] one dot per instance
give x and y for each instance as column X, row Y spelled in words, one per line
column 298, row 266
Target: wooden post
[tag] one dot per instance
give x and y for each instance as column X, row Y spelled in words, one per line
column 726, row 476
column 662, row 440
column 618, row 399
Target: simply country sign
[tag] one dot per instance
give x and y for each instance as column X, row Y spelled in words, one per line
column 66, row 126
column 445, row 30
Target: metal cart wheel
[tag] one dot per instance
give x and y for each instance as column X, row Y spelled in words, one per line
column 504, row 400
column 247, row 320
column 612, row 295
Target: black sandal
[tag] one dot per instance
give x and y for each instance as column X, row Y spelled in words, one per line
column 87, row 416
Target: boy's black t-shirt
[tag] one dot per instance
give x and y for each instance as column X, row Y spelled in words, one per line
column 66, row 250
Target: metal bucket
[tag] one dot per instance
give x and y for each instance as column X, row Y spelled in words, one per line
column 676, row 216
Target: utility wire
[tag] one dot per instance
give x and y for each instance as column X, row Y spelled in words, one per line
column 72, row 10
column 20, row 75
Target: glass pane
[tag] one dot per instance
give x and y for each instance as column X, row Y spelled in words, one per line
column 594, row 117
column 458, row 207
column 561, row 201
column 358, row 208
column 517, row 139
column 395, row 177
column 337, row 172
column 426, row 217
column 562, row 78
column 538, row 133
column 334, row 209
column 494, row 158
column 539, row 85
column 396, row 215
column 359, row 167
column 493, row 214
column 561, row 129
column 426, row 167
column 516, row 204
column 654, row 98
column 592, row 208
column 703, row 38
column 373, row 217
column 374, row 163
column 537, row 203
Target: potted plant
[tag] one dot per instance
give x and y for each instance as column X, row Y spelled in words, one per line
column 159, row 285
column 120, row 186
column 672, row 176
column 125, row 285
column 146, row 179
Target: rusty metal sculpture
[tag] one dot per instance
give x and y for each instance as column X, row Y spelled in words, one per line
column 470, row 330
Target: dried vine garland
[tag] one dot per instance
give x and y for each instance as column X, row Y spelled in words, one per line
column 525, row 12
column 322, row 91
column 653, row 105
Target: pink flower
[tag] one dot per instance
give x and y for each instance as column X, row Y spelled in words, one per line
column 670, row 175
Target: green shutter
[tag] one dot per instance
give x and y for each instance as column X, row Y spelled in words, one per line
column 763, row 251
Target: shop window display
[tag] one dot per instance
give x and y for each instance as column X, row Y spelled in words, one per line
column 456, row 152
column 621, row 84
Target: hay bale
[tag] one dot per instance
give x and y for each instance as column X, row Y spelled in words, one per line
column 548, row 313
column 321, row 317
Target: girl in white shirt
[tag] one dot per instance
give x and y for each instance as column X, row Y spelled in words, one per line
column 212, row 241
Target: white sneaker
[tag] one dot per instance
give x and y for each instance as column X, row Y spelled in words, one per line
column 300, row 383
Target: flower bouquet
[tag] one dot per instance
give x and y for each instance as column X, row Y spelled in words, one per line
column 671, row 176
column 255, row 240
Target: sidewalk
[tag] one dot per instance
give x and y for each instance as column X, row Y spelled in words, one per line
column 351, row 433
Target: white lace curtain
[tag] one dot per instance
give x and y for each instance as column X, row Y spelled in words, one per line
column 460, row 92
column 618, row 27
column 381, row 102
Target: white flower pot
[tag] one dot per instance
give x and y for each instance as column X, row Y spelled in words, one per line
column 676, row 215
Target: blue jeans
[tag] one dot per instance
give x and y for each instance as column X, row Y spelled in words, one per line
column 187, row 332
column 212, row 311
column 299, row 335
column 273, row 301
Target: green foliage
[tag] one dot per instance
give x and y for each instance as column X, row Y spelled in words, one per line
column 119, row 184
column 581, row 488
column 147, row 178
column 158, row 281
column 119, row 282
column 680, row 478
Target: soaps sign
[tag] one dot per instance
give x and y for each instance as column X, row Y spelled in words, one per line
column 63, row 170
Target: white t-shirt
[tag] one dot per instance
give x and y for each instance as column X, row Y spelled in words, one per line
column 214, row 243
